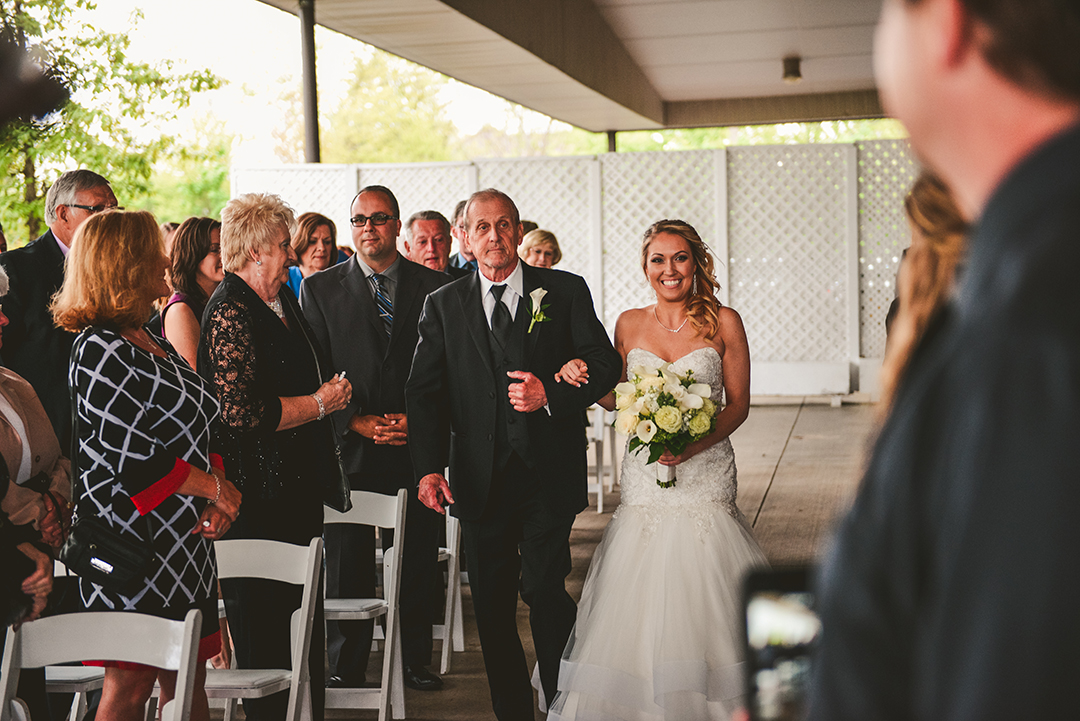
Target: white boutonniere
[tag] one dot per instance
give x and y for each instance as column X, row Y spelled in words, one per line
column 538, row 316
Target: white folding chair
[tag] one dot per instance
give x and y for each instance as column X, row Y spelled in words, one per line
column 76, row 680
column 598, row 431
column 276, row 561
column 107, row 636
column 374, row 509
column 452, row 629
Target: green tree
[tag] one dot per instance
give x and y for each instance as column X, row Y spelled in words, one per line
column 391, row 114
column 193, row 180
column 106, row 126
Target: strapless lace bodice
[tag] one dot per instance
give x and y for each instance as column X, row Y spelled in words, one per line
column 705, row 481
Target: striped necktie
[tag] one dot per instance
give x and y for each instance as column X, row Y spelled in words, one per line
column 382, row 302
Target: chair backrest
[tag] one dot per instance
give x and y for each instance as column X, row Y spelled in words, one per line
column 108, row 636
column 288, row 563
column 371, row 509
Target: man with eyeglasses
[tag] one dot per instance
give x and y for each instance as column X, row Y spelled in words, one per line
column 33, row 346
column 365, row 313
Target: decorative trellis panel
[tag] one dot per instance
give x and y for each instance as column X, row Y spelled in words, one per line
column 434, row 186
column 786, row 236
column 886, row 171
column 325, row 189
column 638, row 190
column 557, row 194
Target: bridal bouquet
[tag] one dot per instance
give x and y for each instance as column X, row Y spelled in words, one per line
column 660, row 409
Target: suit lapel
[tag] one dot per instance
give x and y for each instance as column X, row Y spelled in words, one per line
column 530, row 282
column 405, row 297
column 472, row 309
column 356, row 284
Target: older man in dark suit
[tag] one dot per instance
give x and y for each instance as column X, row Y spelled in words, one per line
column 364, row 313
column 490, row 345
column 427, row 242
column 33, row 346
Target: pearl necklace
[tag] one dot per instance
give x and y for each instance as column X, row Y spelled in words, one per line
column 275, row 305
column 669, row 330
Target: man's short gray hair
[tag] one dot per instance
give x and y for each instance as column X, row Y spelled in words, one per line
column 488, row 194
column 66, row 187
column 425, row 215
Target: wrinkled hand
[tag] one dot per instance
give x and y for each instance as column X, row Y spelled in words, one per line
column 529, row 394
column 435, row 492
column 229, row 503
column 335, row 394
column 38, row 585
column 213, row 523
column 575, row 372
column 52, row 527
column 394, row 431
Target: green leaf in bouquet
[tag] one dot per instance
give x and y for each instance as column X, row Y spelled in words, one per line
column 655, row 451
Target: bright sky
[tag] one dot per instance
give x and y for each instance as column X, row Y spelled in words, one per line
column 255, row 46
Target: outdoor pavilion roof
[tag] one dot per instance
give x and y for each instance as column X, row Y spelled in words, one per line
column 608, row 65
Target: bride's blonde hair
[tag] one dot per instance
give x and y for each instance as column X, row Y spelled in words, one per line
column 702, row 308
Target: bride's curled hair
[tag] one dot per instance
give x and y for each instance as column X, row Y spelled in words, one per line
column 702, row 308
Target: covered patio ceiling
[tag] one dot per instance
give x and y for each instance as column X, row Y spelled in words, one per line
column 612, row 65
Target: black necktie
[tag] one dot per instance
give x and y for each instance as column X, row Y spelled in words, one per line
column 382, row 302
column 500, row 317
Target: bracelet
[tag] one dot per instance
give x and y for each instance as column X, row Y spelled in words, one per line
column 322, row 408
column 217, row 496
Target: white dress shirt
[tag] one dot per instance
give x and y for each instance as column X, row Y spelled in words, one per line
column 515, row 282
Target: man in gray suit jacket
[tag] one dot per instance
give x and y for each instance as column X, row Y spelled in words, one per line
column 364, row 313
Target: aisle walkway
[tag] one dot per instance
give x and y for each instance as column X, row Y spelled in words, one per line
column 798, row 469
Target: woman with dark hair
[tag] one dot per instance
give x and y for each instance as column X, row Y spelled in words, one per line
column 194, row 273
column 276, row 393
column 142, row 438
column 315, row 245
column 658, row 632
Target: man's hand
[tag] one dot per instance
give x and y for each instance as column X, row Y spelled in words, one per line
column 38, row 584
column 51, row 525
column 529, row 394
column 435, row 492
column 391, row 429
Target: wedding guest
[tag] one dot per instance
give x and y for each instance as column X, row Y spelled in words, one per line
column 365, row 315
column 540, row 249
column 427, row 242
column 34, row 347
column 315, row 245
column 25, row 574
column 950, row 589
column 464, row 257
column 168, row 232
column 260, row 356
column 194, row 273
column 143, row 445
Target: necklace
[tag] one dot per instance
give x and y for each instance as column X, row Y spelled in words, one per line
column 669, row 330
column 275, row 305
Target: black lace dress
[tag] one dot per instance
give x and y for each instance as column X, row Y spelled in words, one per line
column 253, row 360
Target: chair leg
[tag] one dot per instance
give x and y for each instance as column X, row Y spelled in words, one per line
column 397, row 685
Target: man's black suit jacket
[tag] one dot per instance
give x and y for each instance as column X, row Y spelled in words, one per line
column 452, row 383
column 338, row 305
column 33, row 346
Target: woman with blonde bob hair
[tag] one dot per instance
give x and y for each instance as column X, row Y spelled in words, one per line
column 540, row 249
column 276, row 392
column 141, row 455
column 673, row 557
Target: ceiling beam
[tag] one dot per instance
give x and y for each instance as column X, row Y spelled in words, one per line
column 849, row 105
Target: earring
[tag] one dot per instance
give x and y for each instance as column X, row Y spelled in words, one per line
column 258, row 262
column 693, row 287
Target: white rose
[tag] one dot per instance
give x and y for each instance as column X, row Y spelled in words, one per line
column 690, row 402
column 646, row 430
column 623, row 402
column 537, row 296
column 643, row 371
column 700, row 389
column 637, row 406
column 650, row 382
column 626, row 422
column 652, row 405
column 626, row 388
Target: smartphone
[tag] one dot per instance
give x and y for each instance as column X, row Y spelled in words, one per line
column 781, row 629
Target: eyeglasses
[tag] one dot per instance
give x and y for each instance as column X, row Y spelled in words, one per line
column 92, row 209
column 359, row 221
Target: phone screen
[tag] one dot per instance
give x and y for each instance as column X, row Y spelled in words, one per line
column 781, row 630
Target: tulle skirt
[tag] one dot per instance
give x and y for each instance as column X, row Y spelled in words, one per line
column 659, row 626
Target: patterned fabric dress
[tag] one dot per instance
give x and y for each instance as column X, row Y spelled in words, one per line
column 143, row 421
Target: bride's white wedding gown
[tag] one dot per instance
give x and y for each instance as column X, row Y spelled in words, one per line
column 658, row 632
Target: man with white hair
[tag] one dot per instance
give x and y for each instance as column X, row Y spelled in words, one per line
column 951, row 589
column 33, row 346
column 427, row 242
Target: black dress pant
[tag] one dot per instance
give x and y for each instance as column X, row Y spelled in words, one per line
column 260, row 611
column 351, row 573
column 520, row 542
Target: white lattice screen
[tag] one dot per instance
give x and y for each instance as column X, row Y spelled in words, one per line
column 785, row 214
column 788, row 268
column 886, row 172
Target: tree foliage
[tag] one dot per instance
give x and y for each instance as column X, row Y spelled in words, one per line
column 110, row 123
column 193, row 179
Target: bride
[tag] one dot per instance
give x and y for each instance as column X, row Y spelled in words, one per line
column 658, row 632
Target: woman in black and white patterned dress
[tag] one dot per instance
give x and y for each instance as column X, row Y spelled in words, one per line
column 142, row 444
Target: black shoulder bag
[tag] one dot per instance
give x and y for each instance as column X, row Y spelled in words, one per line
column 93, row 549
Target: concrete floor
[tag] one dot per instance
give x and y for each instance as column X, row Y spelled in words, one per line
column 799, row 467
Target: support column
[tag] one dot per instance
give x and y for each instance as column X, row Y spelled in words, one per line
column 611, row 147
column 310, row 93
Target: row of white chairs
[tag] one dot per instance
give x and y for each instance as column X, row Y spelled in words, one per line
column 104, row 636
